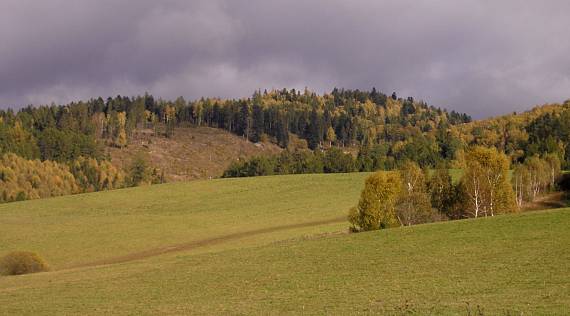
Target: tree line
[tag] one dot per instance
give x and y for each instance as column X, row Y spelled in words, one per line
column 384, row 130
column 543, row 131
column 78, row 133
column 342, row 118
column 333, row 160
column 398, row 128
column 540, row 131
column 412, row 196
column 23, row 179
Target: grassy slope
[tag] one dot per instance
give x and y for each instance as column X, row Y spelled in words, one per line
column 507, row 265
column 83, row 228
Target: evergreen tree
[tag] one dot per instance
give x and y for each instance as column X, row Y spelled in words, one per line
column 243, row 125
column 139, row 173
column 315, row 129
column 257, row 119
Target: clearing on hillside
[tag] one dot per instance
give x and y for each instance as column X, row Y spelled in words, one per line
column 191, row 153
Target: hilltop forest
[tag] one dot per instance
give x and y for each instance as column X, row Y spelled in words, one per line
column 63, row 149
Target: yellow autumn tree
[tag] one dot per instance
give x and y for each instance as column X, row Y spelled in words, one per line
column 376, row 207
column 486, row 184
column 92, row 175
column 169, row 119
column 121, row 134
column 413, row 205
column 22, row 179
column 331, row 136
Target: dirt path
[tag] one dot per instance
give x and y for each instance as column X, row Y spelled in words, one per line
column 554, row 200
column 202, row 243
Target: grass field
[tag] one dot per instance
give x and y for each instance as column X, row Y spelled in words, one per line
column 506, row 265
column 84, row 228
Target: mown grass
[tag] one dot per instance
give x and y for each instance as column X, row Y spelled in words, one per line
column 507, row 265
column 79, row 229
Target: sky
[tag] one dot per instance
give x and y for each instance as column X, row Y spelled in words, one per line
column 482, row 57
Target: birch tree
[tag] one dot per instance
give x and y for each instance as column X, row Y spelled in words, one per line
column 538, row 176
column 413, row 205
column 554, row 167
column 486, row 182
column 521, row 180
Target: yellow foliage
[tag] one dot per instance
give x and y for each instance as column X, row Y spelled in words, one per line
column 376, row 207
column 32, row 179
column 22, row 262
column 93, row 175
column 486, row 182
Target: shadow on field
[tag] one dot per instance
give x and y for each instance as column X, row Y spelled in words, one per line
column 564, row 183
column 558, row 199
column 547, row 201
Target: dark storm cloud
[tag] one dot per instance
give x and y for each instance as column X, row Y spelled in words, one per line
column 482, row 57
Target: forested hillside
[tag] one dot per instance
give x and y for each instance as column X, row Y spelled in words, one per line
column 544, row 129
column 340, row 131
column 540, row 132
column 343, row 118
column 98, row 129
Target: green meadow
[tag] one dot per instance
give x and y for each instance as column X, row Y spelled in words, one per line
column 79, row 229
column 275, row 245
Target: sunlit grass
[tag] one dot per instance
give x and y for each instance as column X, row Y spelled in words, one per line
column 506, row 265
column 82, row 228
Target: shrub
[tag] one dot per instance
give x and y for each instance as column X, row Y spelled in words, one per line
column 22, row 262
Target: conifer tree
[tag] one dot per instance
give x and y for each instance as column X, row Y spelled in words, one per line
column 257, row 118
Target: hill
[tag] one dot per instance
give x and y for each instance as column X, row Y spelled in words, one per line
column 190, row 153
column 543, row 129
column 200, row 138
column 275, row 245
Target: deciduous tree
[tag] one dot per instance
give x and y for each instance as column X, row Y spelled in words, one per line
column 376, row 207
column 486, row 182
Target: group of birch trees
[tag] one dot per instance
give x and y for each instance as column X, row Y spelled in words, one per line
column 486, row 188
column 486, row 183
column 534, row 177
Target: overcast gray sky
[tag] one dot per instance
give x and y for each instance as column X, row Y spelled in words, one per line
column 481, row 57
